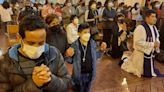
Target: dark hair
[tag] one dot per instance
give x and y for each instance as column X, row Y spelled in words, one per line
column 31, row 23
column 149, row 12
column 36, row 5
column 66, row 1
column 57, row 4
column 6, row 5
column 118, row 15
column 154, row 3
column 121, row 4
column 90, row 3
column 73, row 17
column 46, row 2
column 99, row 4
column 135, row 6
column 106, row 3
column 162, row 5
column 83, row 26
column 147, row 2
column 50, row 18
column 115, row 0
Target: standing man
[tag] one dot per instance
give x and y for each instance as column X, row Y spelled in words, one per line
column 146, row 44
column 33, row 65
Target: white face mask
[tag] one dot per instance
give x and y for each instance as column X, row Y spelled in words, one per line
column 110, row 4
column 119, row 10
column 157, row 5
column 138, row 6
column 33, row 52
column 86, row 37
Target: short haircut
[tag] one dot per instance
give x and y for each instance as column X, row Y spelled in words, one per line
column 6, row 5
column 31, row 23
column 149, row 12
column 50, row 18
column 106, row 3
column 99, row 4
column 90, row 3
column 83, row 26
column 73, row 17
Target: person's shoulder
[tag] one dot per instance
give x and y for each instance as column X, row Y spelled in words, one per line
column 139, row 28
column 75, row 44
column 5, row 60
column 53, row 49
column 52, row 52
column 69, row 26
column 92, row 41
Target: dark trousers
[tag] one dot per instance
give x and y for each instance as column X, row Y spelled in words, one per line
column 147, row 67
column 107, row 34
column 85, row 83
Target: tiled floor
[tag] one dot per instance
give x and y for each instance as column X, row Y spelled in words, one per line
column 110, row 78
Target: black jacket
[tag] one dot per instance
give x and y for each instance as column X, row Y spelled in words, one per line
column 58, row 39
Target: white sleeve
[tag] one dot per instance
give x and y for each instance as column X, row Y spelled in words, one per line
column 69, row 35
column 11, row 12
column 140, row 42
column 134, row 12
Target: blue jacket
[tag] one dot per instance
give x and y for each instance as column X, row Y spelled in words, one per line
column 12, row 79
column 76, row 60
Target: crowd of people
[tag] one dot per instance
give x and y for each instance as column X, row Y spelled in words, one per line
column 52, row 34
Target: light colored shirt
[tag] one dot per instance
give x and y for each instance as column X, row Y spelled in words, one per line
column 72, row 33
column 135, row 14
column 46, row 10
column 5, row 14
column 122, row 36
column 100, row 12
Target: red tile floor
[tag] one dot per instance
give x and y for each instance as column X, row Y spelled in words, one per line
column 110, row 78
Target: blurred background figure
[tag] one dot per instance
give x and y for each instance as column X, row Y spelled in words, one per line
column 5, row 15
column 81, row 8
column 100, row 9
column 47, row 9
column 68, row 10
column 162, row 26
column 58, row 10
column 136, row 13
column 91, row 17
column 72, row 29
column 56, row 35
column 28, row 9
column 119, row 36
column 108, row 15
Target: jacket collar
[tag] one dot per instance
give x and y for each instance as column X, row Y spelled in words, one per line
column 13, row 51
